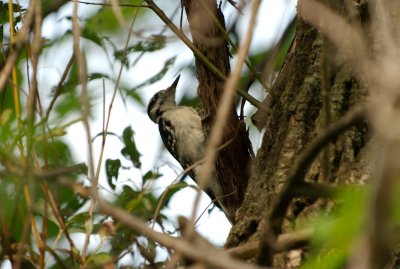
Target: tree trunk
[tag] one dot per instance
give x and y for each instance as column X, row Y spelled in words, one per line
column 314, row 89
column 207, row 27
column 318, row 135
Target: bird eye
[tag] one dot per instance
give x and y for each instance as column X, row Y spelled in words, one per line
column 156, row 95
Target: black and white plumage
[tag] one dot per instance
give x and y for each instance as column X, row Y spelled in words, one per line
column 182, row 134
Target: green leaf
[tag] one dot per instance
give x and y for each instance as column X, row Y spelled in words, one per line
column 7, row 125
column 101, row 134
column 70, row 202
column 137, row 97
column 52, row 223
column 155, row 77
column 106, row 21
column 5, row 116
column 335, row 234
column 69, row 100
column 141, row 204
column 122, row 240
column 99, row 259
column 55, row 151
column 77, row 224
column 13, row 208
column 112, row 170
column 151, row 175
column 166, row 196
column 88, row 33
column 4, row 15
column 155, row 43
column 130, row 151
column 94, row 76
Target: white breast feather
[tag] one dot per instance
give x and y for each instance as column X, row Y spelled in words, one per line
column 188, row 131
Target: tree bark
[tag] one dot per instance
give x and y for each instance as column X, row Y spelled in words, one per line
column 207, row 27
column 313, row 90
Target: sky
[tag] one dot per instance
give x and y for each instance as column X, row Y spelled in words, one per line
column 271, row 21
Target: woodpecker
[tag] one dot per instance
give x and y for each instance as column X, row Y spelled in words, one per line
column 182, row 134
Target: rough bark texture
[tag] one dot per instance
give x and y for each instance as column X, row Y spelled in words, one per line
column 206, row 22
column 297, row 117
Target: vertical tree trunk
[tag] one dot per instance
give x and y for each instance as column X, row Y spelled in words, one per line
column 313, row 90
column 207, row 27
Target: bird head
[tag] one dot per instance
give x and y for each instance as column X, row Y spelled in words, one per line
column 161, row 101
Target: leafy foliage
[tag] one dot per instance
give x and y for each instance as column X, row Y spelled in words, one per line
column 44, row 198
column 130, row 151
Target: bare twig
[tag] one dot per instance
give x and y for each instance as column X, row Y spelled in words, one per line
column 46, row 175
column 109, row 5
column 181, row 35
column 285, row 242
column 20, row 39
column 31, row 106
column 104, row 137
column 210, row 255
column 82, row 71
column 59, row 86
column 199, row 55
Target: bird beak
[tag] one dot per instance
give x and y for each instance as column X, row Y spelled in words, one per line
column 175, row 82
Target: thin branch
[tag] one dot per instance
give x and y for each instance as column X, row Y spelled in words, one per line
column 77, row 168
column 85, row 107
column 18, row 171
column 190, row 45
column 210, row 255
column 63, row 226
column 379, row 207
column 320, row 190
column 109, row 5
column 285, row 242
column 104, row 137
column 58, row 89
column 199, row 55
column 20, row 39
column 235, row 48
column 30, row 109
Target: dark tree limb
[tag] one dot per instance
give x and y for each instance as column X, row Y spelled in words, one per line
column 233, row 161
column 285, row 242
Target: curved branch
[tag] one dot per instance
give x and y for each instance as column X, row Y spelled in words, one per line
column 209, row 255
